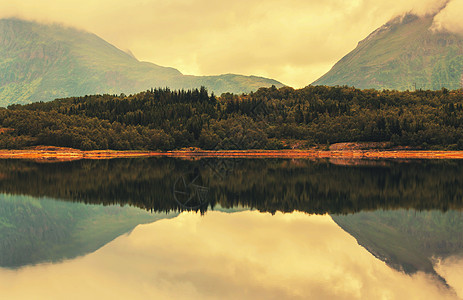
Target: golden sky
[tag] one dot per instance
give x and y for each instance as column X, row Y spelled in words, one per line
column 285, row 256
column 293, row 41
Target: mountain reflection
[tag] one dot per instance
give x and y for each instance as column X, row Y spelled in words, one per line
column 407, row 214
column 408, row 241
column 34, row 230
column 246, row 255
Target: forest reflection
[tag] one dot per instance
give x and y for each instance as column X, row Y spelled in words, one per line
column 268, row 185
column 404, row 213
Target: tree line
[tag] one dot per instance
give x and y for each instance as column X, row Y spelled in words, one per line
column 270, row 118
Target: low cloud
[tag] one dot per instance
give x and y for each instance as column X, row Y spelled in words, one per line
column 449, row 18
column 428, row 7
column 294, row 41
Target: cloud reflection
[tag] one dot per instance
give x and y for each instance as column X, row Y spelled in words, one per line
column 451, row 269
column 228, row 256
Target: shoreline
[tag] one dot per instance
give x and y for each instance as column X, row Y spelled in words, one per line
column 68, row 154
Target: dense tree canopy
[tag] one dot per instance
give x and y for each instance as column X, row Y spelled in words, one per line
column 270, row 118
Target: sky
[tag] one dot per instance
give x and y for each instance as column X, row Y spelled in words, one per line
column 293, row 41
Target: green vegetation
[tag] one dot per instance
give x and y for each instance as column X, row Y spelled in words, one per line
column 43, row 62
column 399, row 55
column 269, row 118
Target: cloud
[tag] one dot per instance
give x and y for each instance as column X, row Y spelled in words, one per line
column 294, row 41
column 428, row 7
column 246, row 255
column 449, row 18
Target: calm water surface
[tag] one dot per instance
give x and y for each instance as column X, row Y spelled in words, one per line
column 231, row 229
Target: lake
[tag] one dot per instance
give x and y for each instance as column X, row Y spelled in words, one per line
column 166, row 228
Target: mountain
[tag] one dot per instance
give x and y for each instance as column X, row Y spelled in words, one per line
column 400, row 54
column 42, row 62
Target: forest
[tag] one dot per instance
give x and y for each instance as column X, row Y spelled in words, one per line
column 270, row 118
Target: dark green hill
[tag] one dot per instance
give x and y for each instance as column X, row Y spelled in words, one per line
column 400, row 54
column 43, row 62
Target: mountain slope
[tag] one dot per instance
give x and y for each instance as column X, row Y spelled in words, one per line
column 43, row 62
column 400, row 54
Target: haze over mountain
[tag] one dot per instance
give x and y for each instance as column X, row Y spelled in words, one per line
column 42, row 62
column 407, row 51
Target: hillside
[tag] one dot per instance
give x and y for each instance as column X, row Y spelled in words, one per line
column 43, row 62
column 400, row 54
column 270, row 118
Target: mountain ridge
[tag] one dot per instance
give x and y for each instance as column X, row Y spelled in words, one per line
column 403, row 54
column 42, row 62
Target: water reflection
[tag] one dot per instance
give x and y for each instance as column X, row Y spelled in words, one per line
column 268, row 185
column 395, row 230
column 451, row 269
column 34, row 230
column 408, row 241
column 228, row 256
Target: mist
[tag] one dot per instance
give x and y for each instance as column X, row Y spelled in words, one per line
column 449, row 18
column 293, row 41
